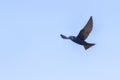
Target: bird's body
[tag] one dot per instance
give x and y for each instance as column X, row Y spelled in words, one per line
column 78, row 40
column 83, row 34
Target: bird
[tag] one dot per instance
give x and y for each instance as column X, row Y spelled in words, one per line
column 82, row 36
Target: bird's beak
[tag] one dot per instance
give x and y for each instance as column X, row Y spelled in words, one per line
column 63, row 36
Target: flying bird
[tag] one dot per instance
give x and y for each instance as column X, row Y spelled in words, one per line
column 83, row 34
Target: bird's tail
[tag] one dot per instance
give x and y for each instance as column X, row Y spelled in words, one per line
column 88, row 45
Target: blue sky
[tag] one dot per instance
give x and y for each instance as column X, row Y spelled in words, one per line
column 31, row 48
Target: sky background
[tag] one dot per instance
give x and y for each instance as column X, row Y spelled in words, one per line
column 31, row 47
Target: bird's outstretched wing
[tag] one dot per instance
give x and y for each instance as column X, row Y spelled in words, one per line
column 83, row 34
column 63, row 36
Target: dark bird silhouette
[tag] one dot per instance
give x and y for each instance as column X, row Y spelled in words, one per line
column 83, row 34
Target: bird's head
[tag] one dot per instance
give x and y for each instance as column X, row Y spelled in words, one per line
column 72, row 37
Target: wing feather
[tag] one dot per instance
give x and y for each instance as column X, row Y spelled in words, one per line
column 84, row 33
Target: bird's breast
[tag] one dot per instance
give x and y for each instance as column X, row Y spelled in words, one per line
column 79, row 41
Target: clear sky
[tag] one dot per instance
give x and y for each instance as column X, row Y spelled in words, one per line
column 31, row 47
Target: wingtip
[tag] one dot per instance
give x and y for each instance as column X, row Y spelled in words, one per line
column 63, row 36
column 91, row 17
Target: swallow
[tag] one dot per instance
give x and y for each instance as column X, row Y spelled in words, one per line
column 82, row 36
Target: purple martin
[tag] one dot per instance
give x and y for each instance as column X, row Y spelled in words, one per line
column 83, row 34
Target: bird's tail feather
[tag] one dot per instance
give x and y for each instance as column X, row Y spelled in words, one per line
column 88, row 45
